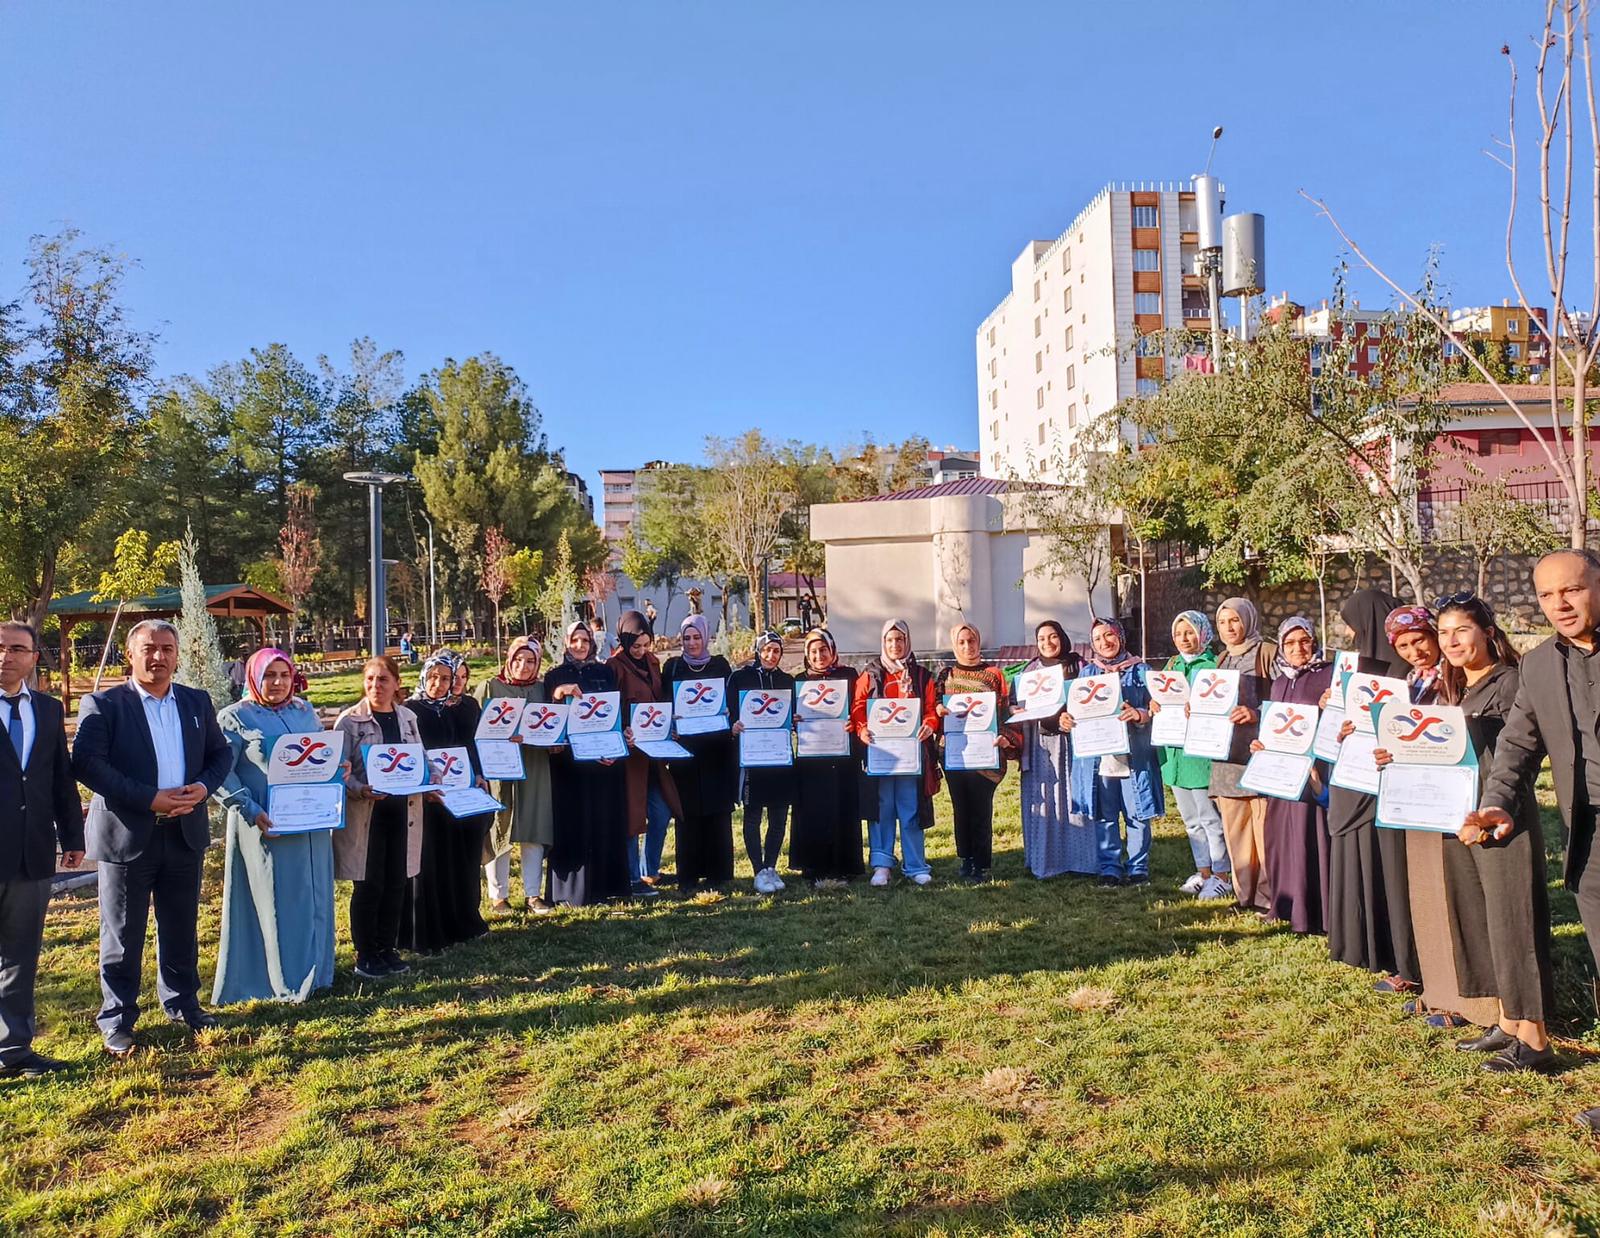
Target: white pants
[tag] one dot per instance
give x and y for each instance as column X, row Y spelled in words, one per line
column 498, row 871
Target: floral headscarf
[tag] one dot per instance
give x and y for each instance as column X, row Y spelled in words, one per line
column 1281, row 669
column 1403, row 619
column 451, row 662
column 1202, row 628
column 1124, row 659
column 255, row 673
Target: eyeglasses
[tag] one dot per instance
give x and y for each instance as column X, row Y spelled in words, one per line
column 18, row 649
column 1454, row 599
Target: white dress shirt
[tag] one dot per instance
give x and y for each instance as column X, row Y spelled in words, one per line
column 166, row 733
column 29, row 728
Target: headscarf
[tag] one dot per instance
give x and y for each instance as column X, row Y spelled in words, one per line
column 1124, row 658
column 893, row 666
column 1281, row 668
column 1066, row 654
column 1250, row 617
column 512, row 650
column 1403, row 619
column 955, row 632
column 1202, row 628
column 255, row 672
column 630, row 627
column 769, row 637
column 699, row 624
column 1365, row 612
column 820, row 636
column 451, row 662
column 594, row 648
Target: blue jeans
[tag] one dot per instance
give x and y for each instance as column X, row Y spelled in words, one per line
column 657, row 816
column 1114, row 792
column 897, row 797
column 1204, row 824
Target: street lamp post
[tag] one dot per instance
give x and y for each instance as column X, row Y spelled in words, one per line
column 377, row 618
column 433, row 610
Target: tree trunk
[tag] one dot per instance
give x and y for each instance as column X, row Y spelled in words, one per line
column 1580, row 456
column 40, row 607
column 1483, row 576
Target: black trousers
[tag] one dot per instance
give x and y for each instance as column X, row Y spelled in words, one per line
column 972, row 808
column 1584, row 863
column 705, row 848
column 22, row 906
column 167, row 874
column 376, row 901
column 764, row 854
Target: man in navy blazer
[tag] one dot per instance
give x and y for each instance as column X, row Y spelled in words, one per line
column 152, row 753
column 39, row 805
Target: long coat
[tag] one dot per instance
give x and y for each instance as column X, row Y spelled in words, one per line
column 1149, row 802
column 350, row 843
column 642, row 685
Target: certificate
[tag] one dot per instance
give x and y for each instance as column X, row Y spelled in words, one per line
column 1214, row 692
column 650, row 722
column 1355, row 769
column 501, row 760
column 1208, row 735
column 1099, row 737
column 662, row 749
column 468, row 801
column 1281, row 775
column 821, row 698
column 765, row 708
column 449, row 767
column 1094, row 696
column 1326, row 744
column 765, row 746
column 298, row 808
column 544, row 723
column 890, row 756
column 971, row 750
column 500, row 717
column 597, row 745
column 396, row 769
column 822, row 737
column 1287, row 727
column 699, row 706
column 1426, row 797
column 891, row 717
column 1365, row 697
column 305, row 757
column 1041, row 693
column 1169, row 727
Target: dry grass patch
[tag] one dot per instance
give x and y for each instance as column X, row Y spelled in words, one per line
column 1087, row 997
column 708, row 1192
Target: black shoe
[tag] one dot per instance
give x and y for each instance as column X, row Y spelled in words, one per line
column 371, row 968
column 1589, row 1119
column 643, row 889
column 195, row 1020
column 1110, row 883
column 393, row 964
column 1137, row 879
column 966, row 867
column 33, row 1066
column 1492, row 1041
column 120, row 1043
column 1520, row 1057
column 980, row 875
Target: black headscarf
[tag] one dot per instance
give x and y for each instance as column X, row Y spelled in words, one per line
column 1068, row 658
column 630, row 628
column 1365, row 612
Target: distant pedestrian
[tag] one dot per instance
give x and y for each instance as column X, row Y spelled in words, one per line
column 650, row 613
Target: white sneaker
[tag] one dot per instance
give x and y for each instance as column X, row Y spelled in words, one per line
column 1192, row 886
column 880, row 876
column 922, row 879
column 777, row 881
column 1215, row 889
column 761, row 884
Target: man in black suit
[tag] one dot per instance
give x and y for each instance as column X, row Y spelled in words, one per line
column 38, row 805
column 1557, row 711
column 152, row 753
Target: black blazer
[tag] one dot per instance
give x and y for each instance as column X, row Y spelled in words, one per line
column 1541, row 721
column 38, row 804
column 115, row 758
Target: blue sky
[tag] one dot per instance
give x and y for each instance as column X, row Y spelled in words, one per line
column 680, row 219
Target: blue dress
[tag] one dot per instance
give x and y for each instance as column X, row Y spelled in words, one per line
column 277, row 893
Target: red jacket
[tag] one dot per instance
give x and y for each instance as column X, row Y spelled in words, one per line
column 876, row 680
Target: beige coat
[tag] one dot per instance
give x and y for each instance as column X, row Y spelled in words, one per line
column 350, row 843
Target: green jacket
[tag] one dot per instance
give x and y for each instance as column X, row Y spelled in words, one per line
column 1178, row 770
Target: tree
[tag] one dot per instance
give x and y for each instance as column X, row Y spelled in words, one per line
column 1492, row 523
column 1563, row 74
column 811, row 480
column 670, row 527
column 136, row 571
column 555, row 601
column 299, row 551
column 200, row 661
column 67, row 412
column 747, row 492
column 523, row 570
column 1072, row 522
column 496, row 550
column 640, row 563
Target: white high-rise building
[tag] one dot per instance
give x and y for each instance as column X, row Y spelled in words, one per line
column 1058, row 351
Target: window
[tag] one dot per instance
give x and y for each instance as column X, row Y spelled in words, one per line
column 1066, row 260
column 1499, row 442
column 1041, row 434
column 1067, row 342
column 1036, row 327
column 1035, row 290
column 1148, row 386
column 994, row 367
column 991, row 337
column 1372, row 354
column 994, row 398
column 994, row 428
column 1513, row 326
column 1144, row 217
column 1038, row 362
column 1147, row 260
column 1072, row 415
column 1066, row 300
column 1147, row 303
column 1039, row 398
column 1514, row 351
column 1072, row 377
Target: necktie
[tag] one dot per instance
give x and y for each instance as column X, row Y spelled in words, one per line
column 14, row 726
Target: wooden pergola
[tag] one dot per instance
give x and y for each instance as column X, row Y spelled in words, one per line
column 222, row 601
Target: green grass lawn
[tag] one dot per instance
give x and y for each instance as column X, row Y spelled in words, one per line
column 1021, row 1058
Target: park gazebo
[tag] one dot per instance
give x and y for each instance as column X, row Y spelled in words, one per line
column 222, row 601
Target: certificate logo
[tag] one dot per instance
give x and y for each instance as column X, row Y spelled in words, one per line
column 543, row 718
column 1037, row 685
column 650, row 716
column 764, row 705
column 973, row 709
column 820, row 697
column 700, row 693
column 889, row 713
column 396, row 761
column 1292, row 724
column 1211, row 687
column 445, row 765
column 309, row 753
column 1420, row 726
column 1371, row 696
column 593, row 709
column 1089, row 693
column 1166, row 683
column 502, row 711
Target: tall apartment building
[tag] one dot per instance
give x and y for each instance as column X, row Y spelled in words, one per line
column 1519, row 333
column 1056, row 353
column 622, row 494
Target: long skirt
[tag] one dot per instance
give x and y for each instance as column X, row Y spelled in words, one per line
column 1358, row 914
column 705, row 849
column 1296, row 835
column 826, row 841
column 1055, row 840
column 588, row 861
column 1430, row 923
column 1500, row 921
column 442, row 901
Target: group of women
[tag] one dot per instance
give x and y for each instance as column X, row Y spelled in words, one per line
column 1461, row 929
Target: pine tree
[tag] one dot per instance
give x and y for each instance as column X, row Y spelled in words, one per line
column 200, row 661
